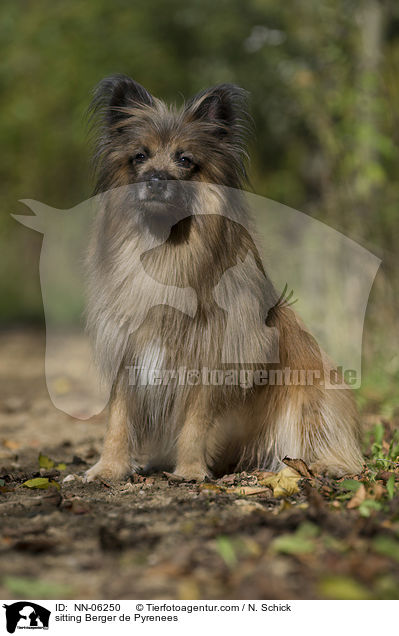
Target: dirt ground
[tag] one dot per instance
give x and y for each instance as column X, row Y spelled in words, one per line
column 155, row 538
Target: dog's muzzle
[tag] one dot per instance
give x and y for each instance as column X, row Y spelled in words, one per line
column 161, row 201
column 157, row 186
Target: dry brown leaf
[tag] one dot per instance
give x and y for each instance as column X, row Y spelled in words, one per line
column 247, row 490
column 298, row 465
column 386, row 474
column 207, row 487
column 247, row 507
column 227, row 480
column 378, row 490
column 10, row 444
column 358, row 498
column 284, row 483
column 263, row 474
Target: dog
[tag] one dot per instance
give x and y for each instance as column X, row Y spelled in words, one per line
column 173, row 244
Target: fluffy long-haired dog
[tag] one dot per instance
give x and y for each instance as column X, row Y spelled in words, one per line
column 175, row 282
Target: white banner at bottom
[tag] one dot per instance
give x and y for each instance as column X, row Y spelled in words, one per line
column 175, row 617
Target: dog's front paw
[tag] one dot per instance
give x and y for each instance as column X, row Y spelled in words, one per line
column 104, row 470
column 194, row 472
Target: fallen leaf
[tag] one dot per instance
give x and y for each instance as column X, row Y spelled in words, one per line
column 10, row 444
column 210, row 487
column 41, row 482
column 358, row 498
column 263, row 474
column 292, row 544
column 188, row 590
column 298, row 465
column 343, row 588
column 226, row 550
column 22, row 587
column 378, row 490
column 350, row 484
column 228, row 480
column 248, row 490
column 284, row 483
column 247, row 507
column 45, row 462
column 386, row 546
column 386, row 474
column 48, row 463
column 308, row 530
column 367, row 506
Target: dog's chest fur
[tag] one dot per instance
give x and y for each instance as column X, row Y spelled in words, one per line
column 199, row 304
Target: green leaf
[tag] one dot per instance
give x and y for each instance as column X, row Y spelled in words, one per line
column 336, row 545
column 45, row 462
column 387, row 547
column 350, row 484
column 226, row 551
column 308, row 530
column 2, row 482
column 343, row 589
column 41, row 482
column 21, row 587
column 48, row 463
column 391, row 486
column 292, row 544
column 367, row 506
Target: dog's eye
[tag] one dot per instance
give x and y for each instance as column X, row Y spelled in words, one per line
column 139, row 157
column 185, row 161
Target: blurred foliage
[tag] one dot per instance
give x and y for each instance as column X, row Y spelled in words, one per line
column 324, row 82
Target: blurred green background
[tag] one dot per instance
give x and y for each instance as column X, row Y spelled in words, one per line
column 324, row 82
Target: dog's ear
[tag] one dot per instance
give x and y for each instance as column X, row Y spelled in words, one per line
column 224, row 105
column 117, row 93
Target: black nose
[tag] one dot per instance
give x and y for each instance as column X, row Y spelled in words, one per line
column 157, row 184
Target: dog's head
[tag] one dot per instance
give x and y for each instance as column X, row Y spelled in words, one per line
column 161, row 148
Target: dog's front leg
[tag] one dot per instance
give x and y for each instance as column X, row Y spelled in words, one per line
column 115, row 460
column 191, row 446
